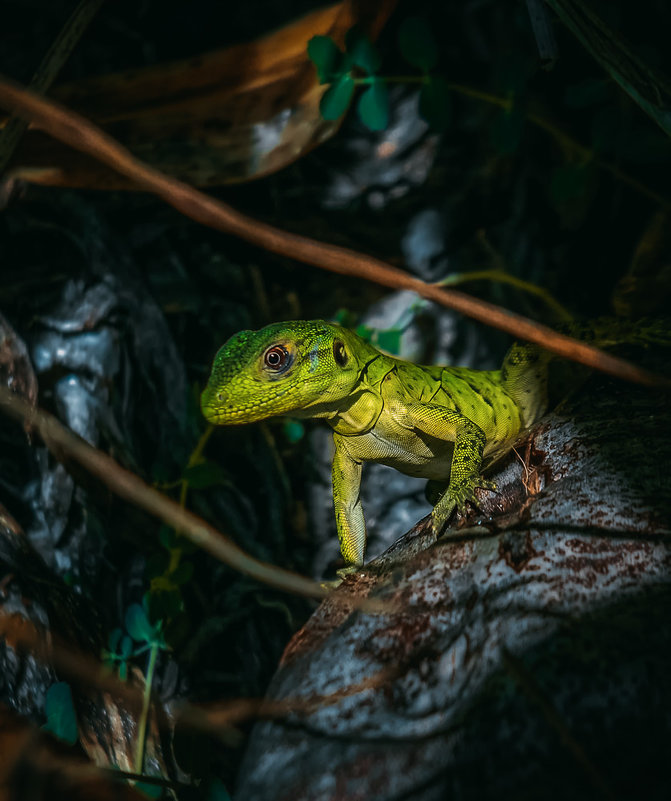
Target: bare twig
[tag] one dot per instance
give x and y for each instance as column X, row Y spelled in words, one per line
column 82, row 135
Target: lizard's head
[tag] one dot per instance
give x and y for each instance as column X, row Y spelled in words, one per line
column 285, row 368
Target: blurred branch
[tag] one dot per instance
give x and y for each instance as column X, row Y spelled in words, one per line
column 647, row 86
column 64, row 444
column 77, row 132
column 221, row 718
column 127, row 485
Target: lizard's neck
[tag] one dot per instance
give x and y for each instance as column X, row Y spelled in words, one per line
column 358, row 413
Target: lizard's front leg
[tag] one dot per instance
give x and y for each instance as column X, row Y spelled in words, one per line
column 465, row 475
column 347, row 501
column 469, row 443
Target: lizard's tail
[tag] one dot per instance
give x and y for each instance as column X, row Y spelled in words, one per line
column 605, row 332
column 524, row 374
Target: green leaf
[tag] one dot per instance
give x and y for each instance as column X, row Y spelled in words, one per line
column 345, row 318
column 182, row 573
column 217, row 791
column 123, row 671
column 167, row 536
column 294, row 431
column 417, row 43
column 365, row 332
column 337, row 97
column 361, row 51
column 374, row 106
column 390, row 340
column 126, row 647
column 325, row 55
column 205, row 474
column 60, row 711
column 435, row 104
column 113, row 640
column 138, row 625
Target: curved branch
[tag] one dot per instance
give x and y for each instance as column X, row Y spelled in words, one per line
column 131, row 487
column 82, row 135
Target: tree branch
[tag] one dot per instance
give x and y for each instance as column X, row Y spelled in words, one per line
column 82, row 135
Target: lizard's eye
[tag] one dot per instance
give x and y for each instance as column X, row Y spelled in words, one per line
column 276, row 358
column 339, row 353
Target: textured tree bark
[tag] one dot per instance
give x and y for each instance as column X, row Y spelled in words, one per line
column 532, row 655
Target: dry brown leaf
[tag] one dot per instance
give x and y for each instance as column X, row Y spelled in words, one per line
column 224, row 117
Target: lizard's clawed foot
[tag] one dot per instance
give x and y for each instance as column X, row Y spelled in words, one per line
column 457, row 498
column 342, row 574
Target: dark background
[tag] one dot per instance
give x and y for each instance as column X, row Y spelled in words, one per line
column 506, row 194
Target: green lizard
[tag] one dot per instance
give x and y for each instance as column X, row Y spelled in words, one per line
column 440, row 423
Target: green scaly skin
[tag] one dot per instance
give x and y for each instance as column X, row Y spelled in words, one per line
column 440, row 423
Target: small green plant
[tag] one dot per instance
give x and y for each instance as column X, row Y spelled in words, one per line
column 387, row 339
column 359, row 65
column 142, row 637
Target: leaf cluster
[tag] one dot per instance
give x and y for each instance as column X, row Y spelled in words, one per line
column 359, row 65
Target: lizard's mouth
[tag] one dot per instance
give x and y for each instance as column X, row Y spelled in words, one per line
column 220, row 409
column 220, row 413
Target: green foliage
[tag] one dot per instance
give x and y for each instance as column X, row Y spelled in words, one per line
column 417, row 44
column 167, row 536
column 388, row 339
column 60, row 711
column 337, row 97
column 342, row 70
column 140, row 629
column 326, row 56
column 374, row 106
column 360, row 51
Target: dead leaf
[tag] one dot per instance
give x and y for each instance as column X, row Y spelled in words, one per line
column 223, row 117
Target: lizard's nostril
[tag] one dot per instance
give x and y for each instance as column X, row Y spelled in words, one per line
column 220, row 397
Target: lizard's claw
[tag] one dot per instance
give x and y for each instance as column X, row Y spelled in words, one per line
column 342, row 574
column 457, row 498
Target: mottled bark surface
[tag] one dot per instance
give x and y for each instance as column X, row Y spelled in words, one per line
column 532, row 655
